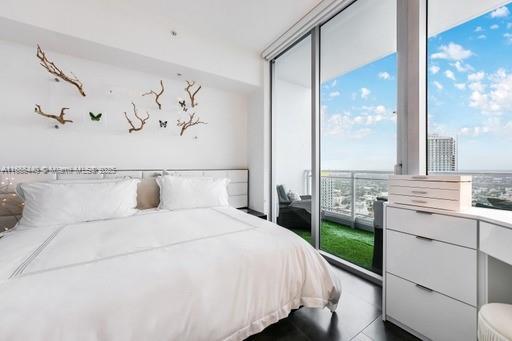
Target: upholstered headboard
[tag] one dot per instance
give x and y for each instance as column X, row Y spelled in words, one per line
column 148, row 192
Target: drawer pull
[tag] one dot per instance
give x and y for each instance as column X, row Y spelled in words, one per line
column 420, row 177
column 419, row 201
column 424, row 238
column 424, row 288
column 423, row 212
column 419, row 192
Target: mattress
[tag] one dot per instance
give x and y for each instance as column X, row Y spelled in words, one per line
column 201, row 274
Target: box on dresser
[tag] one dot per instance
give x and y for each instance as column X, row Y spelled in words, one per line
column 446, row 192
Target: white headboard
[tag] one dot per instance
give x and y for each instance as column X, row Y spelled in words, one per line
column 148, row 192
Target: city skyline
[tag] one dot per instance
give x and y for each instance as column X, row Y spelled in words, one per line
column 469, row 99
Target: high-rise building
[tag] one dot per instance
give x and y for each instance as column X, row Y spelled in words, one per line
column 327, row 192
column 442, row 154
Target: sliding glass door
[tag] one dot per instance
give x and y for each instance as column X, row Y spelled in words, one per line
column 291, row 138
column 358, row 97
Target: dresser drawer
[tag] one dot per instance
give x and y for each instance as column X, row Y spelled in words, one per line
column 445, row 228
column 429, row 313
column 440, row 204
column 496, row 241
column 446, row 185
column 424, row 192
column 443, row 267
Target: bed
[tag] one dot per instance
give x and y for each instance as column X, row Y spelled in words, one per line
column 194, row 274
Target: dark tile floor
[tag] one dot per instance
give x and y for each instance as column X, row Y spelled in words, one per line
column 357, row 318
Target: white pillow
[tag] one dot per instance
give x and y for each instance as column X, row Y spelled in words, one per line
column 56, row 203
column 177, row 192
column 19, row 191
column 293, row 196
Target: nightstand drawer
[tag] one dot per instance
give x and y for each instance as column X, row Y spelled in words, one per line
column 429, row 313
column 445, row 228
column 446, row 268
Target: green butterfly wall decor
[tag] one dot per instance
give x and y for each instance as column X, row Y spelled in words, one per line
column 96, row 117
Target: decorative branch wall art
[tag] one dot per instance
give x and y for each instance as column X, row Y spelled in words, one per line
column 156, row 94
column 56, row 71
column 59, row 118
column 142, row 121
column 192, row 94
column 192, row 118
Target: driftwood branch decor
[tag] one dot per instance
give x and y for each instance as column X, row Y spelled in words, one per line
column 192, row 121
column 56, row 71
column 156, row 94
column 141, row 120
column 192, row 118
column 59, row 118
column 192, row 94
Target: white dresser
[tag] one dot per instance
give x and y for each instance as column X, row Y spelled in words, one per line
column 441, row 266
column 431, row 273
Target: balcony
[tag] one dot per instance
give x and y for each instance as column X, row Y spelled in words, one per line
column 347, row 203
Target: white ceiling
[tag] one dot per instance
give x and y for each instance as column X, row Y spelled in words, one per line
column 251, row 24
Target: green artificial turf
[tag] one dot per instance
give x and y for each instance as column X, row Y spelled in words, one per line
column 350, row 244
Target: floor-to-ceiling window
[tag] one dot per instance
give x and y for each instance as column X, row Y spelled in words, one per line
column 470, row 95
column 291, row 121
column 358, row 95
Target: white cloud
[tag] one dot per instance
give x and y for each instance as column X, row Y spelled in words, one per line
column 453, row 52
column 498, row 98
column 434, row 69
column 365, row 92
column 438, row 85
column 449, row 74
column 476, row 77
column 343, row 124
column 334, row 94
column 494, row 27
column 380, row 110
column 508, row 37
column 384, row 75
column 500, row 12
column 461, row 67
column 460, row 86
column 493, row 124
column 481, row 36
column 357, row 126
column 476, row 86
column 474, row 131
column 478, row 29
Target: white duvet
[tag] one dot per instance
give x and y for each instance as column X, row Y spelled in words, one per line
column 201, row 274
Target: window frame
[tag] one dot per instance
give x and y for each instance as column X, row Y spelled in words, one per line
column 411, row 151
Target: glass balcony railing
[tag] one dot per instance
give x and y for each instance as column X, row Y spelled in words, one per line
column 349, row 195
column 491, row 189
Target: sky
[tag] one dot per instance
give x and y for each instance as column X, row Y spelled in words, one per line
column 469, row 98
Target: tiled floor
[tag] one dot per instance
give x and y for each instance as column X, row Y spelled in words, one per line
column 357, row 318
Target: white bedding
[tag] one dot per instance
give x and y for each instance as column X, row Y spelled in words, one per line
column 201, row 274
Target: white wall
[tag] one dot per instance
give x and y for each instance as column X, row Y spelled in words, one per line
column 258, row 126
column 292, row 145
column 30, row 139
